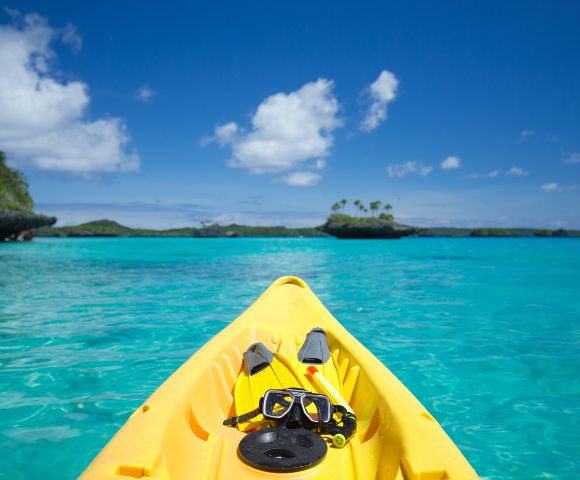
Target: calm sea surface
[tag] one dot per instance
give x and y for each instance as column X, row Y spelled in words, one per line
column 485, row 332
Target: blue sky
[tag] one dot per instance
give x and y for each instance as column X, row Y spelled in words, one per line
column 166, row 114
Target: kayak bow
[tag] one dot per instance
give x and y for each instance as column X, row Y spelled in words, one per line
column 178, row 432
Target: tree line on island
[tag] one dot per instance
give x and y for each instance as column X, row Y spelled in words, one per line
column 378, row 210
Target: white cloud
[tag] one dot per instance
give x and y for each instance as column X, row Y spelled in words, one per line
column 145, row 94
column 42, row 118
column 320, row 164
column 381, row 92
column 225, row 134
column 517, row 172
column 288, row 130
column 492, row 174
column 556, row 187
column 525, row 133
column 302, row 179
column 450, row 163
column 402, row 169
column 72, row 38
column 549, row 187
column 574, row 157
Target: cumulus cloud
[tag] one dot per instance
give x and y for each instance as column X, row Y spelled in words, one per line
column 43, row 122
column 145, row 94
column 403, row 169
column 451, row 163
column 574, row 157
column 493, row 174
column 380, row 93
column 556, row 187
column 288, row 131
column 302, row 179
column 517, row 172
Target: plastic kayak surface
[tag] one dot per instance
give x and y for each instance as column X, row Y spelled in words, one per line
column 178, row 432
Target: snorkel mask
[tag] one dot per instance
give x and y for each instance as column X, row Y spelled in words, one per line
column 298, row 408
column 290, row 408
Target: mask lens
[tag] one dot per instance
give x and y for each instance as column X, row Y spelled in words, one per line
column 277, row 404
column 316, row 408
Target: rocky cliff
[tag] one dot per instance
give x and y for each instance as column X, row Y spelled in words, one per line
column 17, row 219
column 341, row 227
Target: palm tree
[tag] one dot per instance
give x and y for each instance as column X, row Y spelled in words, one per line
column 343, row 202
column 357, row 204
column 387, row 216
column 336, row 207
column 376, row 205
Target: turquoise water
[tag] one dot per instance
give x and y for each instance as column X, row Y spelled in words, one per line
column 485, row 332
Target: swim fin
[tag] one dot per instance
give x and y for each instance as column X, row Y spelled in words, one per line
column 262, row 370
column 315, row 351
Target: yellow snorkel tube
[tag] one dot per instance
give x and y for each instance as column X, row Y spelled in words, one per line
column 340, row 435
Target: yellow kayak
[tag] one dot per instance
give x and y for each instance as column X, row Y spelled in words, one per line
column 178, row 433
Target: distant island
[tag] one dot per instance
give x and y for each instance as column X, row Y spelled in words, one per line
column 378, row 225
column 109, row 228
column 377, row 221
column 18, row 222
column 17, row 218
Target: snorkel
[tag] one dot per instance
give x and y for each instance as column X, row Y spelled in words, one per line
column 340, row 435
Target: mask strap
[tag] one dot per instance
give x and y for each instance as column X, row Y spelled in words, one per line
column 233, row 421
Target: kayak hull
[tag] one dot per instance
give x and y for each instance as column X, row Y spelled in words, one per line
column 178, row 432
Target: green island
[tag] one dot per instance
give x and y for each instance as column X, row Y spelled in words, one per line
column 110, row 228
column 374, row 221
column 17, row 218
column 377, row 221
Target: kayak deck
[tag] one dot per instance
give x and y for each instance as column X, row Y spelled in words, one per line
column 178, row 432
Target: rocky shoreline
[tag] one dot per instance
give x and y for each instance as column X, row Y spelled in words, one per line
column 19, row 227
column 376, row 229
